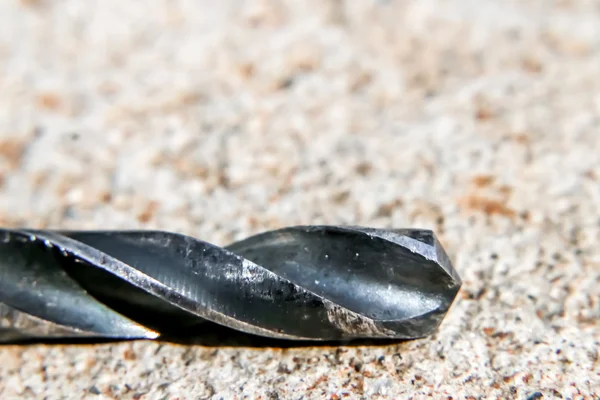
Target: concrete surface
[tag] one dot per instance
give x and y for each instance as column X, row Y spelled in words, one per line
column 477, row 118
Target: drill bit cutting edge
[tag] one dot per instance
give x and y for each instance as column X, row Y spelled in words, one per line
column 303, row 283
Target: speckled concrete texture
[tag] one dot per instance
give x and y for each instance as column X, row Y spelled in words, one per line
column 479, row 119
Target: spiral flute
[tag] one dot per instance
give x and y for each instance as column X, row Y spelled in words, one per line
column 304, row 282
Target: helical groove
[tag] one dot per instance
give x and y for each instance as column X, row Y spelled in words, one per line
column 303, row 282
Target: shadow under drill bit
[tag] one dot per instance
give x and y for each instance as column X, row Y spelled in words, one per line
column 214, row 335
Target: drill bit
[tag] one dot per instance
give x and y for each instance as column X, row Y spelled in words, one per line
column 303, row 283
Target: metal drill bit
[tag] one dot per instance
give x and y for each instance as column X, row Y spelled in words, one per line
column 305, row 282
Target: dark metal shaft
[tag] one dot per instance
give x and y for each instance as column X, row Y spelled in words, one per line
column 306, row 282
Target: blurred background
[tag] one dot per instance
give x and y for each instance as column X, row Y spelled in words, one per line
column 479, row 119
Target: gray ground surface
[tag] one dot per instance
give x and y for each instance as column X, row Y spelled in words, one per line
column 478, row 119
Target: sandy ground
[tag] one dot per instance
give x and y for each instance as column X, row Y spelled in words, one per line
column 479, row 119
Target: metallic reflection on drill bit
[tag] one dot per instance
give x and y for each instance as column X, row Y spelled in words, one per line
column 305, row 283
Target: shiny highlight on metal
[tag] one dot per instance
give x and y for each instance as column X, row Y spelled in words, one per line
column 303, row 283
